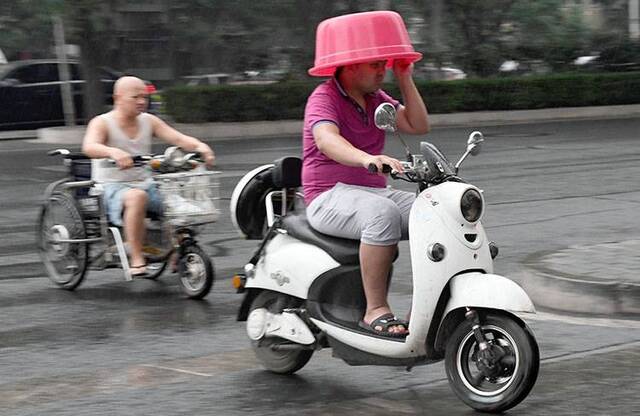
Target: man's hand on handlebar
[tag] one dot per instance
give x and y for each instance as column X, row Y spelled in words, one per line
column 379, row 160
column 206, row 154
column 123, row 159
column 209, row 157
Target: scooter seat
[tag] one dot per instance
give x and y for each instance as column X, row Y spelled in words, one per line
column 342, row 250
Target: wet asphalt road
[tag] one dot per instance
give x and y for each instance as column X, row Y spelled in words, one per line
column 113, row 347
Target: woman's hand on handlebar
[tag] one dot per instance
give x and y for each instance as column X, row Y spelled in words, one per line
column 380, row 160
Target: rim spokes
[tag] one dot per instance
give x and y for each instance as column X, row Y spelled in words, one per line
column 480, row 376
column 61, row 222
column 195, row 271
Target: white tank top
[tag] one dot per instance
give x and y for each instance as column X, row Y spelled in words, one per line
column 104, row 171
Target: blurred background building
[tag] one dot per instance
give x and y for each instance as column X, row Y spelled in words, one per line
column 165, row 41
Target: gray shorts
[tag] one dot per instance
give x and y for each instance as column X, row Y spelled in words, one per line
column 376, row 216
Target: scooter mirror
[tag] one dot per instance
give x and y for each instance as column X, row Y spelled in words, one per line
column 385, row 117
column 474, row 144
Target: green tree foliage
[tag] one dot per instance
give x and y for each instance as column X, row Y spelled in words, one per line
column 476, row 31
column 244, row 34
column 88, row 23
column 26, row 29
column 550, row 30
column 240, row 35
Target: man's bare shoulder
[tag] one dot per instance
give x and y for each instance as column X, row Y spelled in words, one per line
column 98, row 121
column 96, row 129
column 155, row 120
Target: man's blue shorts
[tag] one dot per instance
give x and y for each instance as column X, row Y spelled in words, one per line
column 114, row 192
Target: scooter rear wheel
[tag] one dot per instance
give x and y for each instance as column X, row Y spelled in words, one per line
column 505, row 384
column 59, row 222
column 278, row 361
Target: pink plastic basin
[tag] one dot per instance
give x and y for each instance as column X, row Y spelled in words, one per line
column 361, row 37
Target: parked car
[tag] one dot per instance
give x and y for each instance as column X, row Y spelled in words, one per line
column 30, row 93
column 430, row 72
column 205, row 79
column 524, row 68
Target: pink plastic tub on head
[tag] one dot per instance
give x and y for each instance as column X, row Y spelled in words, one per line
column 361, row 37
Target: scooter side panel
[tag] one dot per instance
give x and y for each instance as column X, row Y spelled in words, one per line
column 290, row 266
column 481, row 290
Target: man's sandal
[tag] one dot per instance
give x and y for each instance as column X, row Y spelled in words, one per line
column 380, row 326
column 135, row 270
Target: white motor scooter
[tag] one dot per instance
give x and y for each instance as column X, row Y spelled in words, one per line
column 304, row 289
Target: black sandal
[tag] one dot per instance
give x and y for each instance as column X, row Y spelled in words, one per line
column 385, row 322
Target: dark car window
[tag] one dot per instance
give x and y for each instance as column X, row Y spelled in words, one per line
column 34, row 73
column 75, row 72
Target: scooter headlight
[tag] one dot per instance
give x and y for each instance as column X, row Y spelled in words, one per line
column 471, row 205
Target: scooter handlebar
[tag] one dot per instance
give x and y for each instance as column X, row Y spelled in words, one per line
column 67, row 154
column 374, row 169
column 196, row 156
column 139, row 160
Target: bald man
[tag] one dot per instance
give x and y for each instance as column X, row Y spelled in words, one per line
column 124, row 132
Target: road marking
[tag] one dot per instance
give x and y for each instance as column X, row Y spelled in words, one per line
column 177, row 370
column 14, row 259
column 53, row 168
column 587, row 353
column 38, row 390
column 41, row 390
column 579, row 320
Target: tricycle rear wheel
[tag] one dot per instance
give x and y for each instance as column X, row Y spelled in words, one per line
column 59, row 221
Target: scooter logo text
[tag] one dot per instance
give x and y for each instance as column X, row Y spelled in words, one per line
column 280, row 279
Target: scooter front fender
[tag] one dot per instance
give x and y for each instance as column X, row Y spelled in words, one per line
column 482, row 290
column 479, row 290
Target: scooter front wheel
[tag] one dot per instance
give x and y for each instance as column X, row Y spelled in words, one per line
column 196, row 272
column 499, row 377
column 278, row 360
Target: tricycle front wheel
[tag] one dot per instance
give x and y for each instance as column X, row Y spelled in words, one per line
column 196, row 272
